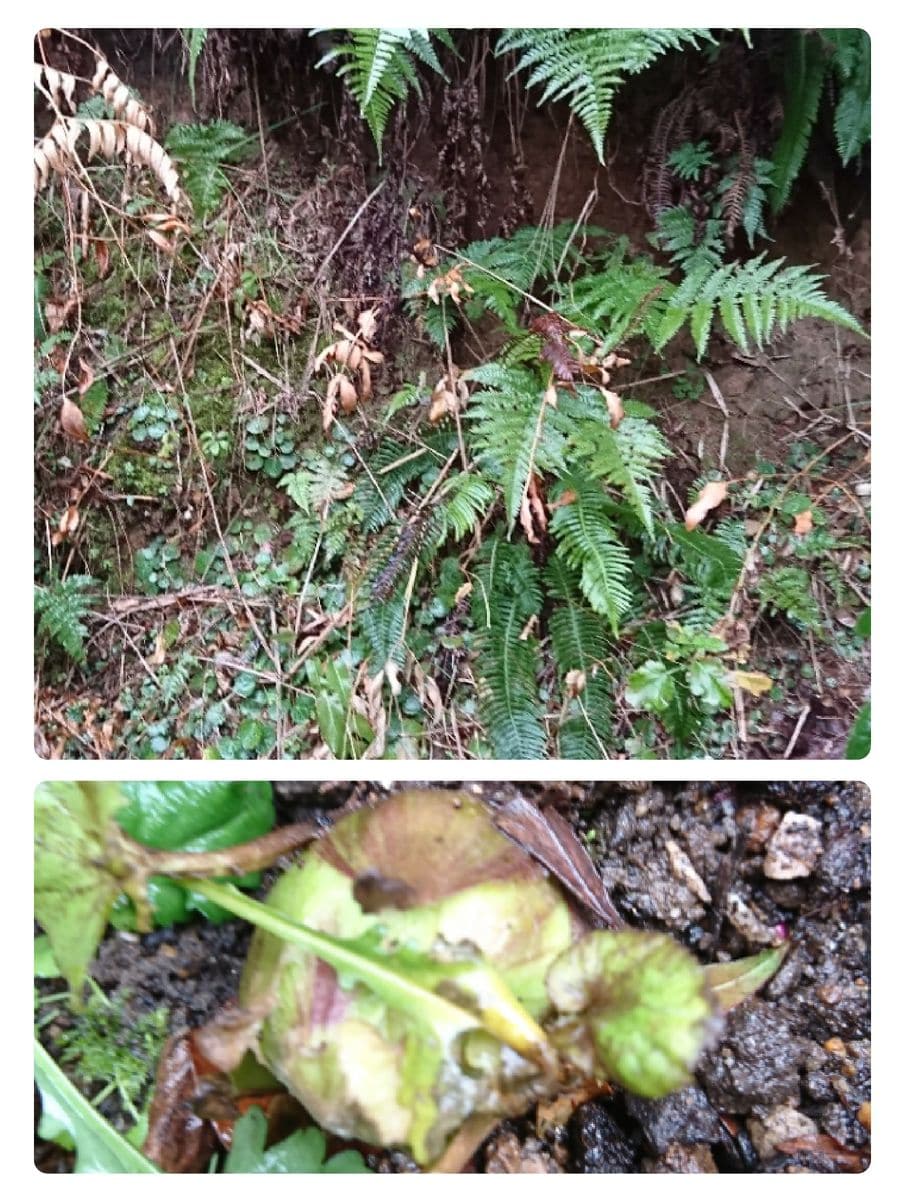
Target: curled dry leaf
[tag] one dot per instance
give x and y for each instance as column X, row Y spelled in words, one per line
column 57, row 151
column 69, row 522
column 614, row 407
column 347, row 394
column 424, row 253
column 452, row 284
column 576, row 682
column 71, row 420
column 85, row 376
column 367, row 322
column 711, row 496
column 803, row 522
column 57, row 312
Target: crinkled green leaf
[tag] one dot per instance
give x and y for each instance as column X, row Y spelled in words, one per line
column 74, row 889
column 651, row 687
column 647, row 1004
column 303, row 1153
column 375, row 1039
column 68, row 1116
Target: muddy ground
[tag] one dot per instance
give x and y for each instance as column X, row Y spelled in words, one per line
column 787, row 1088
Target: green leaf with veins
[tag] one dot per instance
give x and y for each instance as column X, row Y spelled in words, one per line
column 303, row 1153
column 646, row 1002
column 74, row 888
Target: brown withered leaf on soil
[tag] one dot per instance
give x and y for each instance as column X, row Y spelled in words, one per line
column 85, row 376
column 57, row 312
column 177, row 1139
column 71, row 421
column 546, row 836
column 101, row 255
column 424, row 252
column 803, row 522
column 711, row 496
column 347, row 393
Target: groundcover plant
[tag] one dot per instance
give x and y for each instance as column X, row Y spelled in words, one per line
column 552, row 977
column 417, row 393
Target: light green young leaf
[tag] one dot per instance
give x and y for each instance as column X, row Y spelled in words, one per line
column 646, row 1002
column 731, row 982
column 66, row 1113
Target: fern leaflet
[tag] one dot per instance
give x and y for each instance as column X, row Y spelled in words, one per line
column 587, row 542
column 61, row 607
column 586, row 66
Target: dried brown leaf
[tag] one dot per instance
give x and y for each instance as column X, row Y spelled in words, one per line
column 71, row 420
column 803, row 522
column 711, row 496
column 85, row 376
column 547, row 837
column 347, row 393
column 367, row 322
column 614, row 407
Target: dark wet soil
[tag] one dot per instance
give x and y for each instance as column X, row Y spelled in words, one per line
column 787, row 1087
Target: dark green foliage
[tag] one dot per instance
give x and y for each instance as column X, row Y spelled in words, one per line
column 588, row 543
column 61, row 607
column 789, row 590
column 195, row 40
column 851, row 62
column 581, row 644
column 506, row 596
column 380, row 67
column 585, row 67
column 690, row 159
column 804, row 77
column 200, row 151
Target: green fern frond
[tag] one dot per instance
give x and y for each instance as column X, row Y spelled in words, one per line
column 383, row 625
column 61, row 607
column 853, row 112
column 627, row 457
column 750, row 299
column 200, row 151
column 380, row 67
column 618, row 299
column 510, row 430
column 580, row 643
column 196, row 40
column 588, row 543
column 465, row 500
column 506, row 595
column 586, row 66
column 804, row 76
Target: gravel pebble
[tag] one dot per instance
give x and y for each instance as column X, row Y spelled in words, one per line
column 794, row 848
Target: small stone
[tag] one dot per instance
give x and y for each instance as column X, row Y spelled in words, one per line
column 684, row 1160
column 747, row 922
column 508, row 1156
column 683, row 869
column 794, row 848
column 864, row 1115
column 779, row 1125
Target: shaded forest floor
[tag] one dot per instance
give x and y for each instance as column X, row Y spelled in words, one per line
column 208, row 634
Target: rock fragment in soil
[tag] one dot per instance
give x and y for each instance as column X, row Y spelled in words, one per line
column 794, row 848
column 601, row 1146
column 686, row 1117
column 506, row 1155
column 756, row 1062
column 779, row 1124
column 679, row 1159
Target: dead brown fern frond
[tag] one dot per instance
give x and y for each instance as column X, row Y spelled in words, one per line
column 734, row 200
column 57, row 152
column 120, row 98
column 59, row 86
